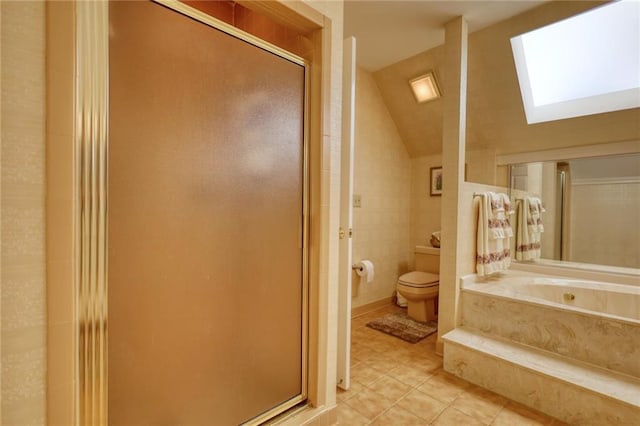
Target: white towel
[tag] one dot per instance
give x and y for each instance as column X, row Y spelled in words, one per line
column 494, row 231
column 529, row 227
column 535, row 215
column 499, row 222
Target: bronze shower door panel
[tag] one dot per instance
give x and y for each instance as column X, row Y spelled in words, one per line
column 206, row 192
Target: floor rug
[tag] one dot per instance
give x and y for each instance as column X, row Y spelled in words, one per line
column 400, row 325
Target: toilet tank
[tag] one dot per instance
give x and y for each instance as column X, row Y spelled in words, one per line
column 427, row 259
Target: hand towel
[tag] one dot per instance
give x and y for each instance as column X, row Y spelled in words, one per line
column 499, row 222
column 528, row 228
column 535, row 215
column 494, row 231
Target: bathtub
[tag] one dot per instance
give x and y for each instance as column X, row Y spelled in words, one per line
column 615, row 301
column 566, row 346
column 589, row 321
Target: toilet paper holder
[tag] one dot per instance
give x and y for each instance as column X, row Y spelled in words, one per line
column 365, row 270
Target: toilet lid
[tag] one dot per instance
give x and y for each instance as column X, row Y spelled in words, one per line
column 419, row 279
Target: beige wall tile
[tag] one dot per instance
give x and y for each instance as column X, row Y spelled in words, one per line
column 383, row 180
column 425, row 209
column 23, row 292
column 25, row 411
column 23, row 377
column 604, row 212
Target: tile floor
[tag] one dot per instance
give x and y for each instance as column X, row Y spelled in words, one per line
column 398, row 383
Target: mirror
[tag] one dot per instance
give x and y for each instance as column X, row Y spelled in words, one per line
column 592, row 207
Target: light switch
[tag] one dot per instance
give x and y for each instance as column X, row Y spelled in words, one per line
column 357, row 200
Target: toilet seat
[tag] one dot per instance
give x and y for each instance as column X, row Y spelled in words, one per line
column 419, row 279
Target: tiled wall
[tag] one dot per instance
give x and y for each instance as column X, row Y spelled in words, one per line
column 602, row 212
column 468, row 211
column 23, row 231
column 425, row 208
column 383, row 180
column 466, row 253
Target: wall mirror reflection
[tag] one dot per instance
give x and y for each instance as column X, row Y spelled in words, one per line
column 591, row 208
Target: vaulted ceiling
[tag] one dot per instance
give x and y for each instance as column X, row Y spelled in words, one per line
column 495, row 115
column 390, row 31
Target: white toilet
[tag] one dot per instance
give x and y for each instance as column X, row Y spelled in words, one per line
column 420, row 287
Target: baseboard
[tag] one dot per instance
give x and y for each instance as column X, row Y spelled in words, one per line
column 361, row 310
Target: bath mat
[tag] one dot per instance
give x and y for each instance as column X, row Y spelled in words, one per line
column 400, row 325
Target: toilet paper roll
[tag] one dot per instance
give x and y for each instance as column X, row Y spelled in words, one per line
column 365, row 270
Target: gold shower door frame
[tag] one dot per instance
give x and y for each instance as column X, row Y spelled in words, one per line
column 92, row 146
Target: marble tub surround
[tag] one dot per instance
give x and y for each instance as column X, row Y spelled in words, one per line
column 504, row 307
column 618, row 300
column 522, row 338
column 574, row 392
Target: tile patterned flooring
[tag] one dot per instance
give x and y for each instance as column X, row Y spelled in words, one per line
column 397, row 383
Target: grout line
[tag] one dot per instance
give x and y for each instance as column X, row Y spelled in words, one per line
column 426, row 348
column 439, row 414
column 499, row 412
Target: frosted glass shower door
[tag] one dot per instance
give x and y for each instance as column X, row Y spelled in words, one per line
column 206, row 192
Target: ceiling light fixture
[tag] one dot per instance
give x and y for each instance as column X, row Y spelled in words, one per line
column 425, row 88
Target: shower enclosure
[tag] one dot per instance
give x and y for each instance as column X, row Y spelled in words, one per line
column 207, row 221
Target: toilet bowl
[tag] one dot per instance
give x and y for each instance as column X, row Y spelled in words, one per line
column 421, row 291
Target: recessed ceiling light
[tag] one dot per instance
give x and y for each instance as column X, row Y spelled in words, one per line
column 425, row 87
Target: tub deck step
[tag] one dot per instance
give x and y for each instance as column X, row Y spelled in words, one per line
column 607, row 383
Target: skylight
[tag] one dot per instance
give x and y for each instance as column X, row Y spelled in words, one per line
column 586, row 64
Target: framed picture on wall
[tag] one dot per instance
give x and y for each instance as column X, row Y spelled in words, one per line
column 436, row 181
